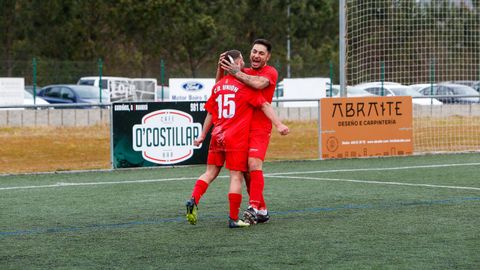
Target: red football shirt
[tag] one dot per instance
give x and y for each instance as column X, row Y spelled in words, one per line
column 232, row 104
column 269, row 72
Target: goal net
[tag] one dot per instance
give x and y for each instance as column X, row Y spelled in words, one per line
column 412, row 41
column 419, row 42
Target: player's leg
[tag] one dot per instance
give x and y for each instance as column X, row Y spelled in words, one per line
column 214, row 165
column 258, row 144
column 236, row 162
column 257, row 182
column 235, row 200
column 204, row 181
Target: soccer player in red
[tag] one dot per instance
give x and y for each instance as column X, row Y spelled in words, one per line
column 230, row 109
column 264, row 78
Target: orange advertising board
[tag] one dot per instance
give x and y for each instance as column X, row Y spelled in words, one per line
column 366, row 126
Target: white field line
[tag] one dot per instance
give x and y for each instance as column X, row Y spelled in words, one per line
column 376, row 182
column 277, row 175
column 380, row 169
column 62, row 184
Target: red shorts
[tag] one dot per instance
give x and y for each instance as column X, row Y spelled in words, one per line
column 258, row 143
column 234, row 160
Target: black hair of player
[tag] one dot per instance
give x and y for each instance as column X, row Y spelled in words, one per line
column 265, row 43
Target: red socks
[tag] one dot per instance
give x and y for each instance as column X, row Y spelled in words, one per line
column 235, row 200
column 257, row 184
column 199, row 189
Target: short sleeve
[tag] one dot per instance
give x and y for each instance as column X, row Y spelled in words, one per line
column 255, row 98
column 271, row 74
column 210, row 105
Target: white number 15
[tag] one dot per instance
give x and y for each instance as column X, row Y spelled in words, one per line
column 226, row 106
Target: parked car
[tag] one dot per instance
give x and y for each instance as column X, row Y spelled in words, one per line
column 29, row 88
column 28, row 99
column 396, row 89
column 70, row 93
column 452, row 93
column 352, row 91
column 474, row 84
column 420, row 86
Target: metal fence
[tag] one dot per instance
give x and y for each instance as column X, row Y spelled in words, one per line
column 453, row 127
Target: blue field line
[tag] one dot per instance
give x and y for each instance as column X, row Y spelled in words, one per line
column 380, row 206
column 93, row 226
column 274, row 213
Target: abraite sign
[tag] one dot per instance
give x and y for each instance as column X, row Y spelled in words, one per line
column 360, row 127
column 157, row 134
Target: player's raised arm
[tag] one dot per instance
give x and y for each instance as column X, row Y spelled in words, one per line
column 270, row 113
column 220, row 70
column 255, row 82
column 207, row 124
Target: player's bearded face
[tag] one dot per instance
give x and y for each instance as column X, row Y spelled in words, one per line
column 259, row 56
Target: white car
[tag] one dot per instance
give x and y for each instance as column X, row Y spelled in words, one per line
column 352, row 91
column 419, row 86
column 28, row 99
column 396, row 89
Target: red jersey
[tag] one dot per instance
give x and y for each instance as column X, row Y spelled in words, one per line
column 232, row 104
column 269, row 72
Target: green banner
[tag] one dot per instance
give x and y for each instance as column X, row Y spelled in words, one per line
column 146, row 134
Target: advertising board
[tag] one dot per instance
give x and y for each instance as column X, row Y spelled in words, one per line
column 146, row 134
column 190, row 89
column 366, row 126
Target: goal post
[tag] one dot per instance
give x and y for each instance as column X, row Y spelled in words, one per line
column 412, row 39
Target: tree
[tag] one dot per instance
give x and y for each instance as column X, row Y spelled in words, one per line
column 133, row 36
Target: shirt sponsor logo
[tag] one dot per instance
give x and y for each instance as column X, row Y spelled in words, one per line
column 166, row 136
column 192, row 86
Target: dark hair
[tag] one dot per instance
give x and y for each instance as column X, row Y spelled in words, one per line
column 265, row 43
column 233, row 53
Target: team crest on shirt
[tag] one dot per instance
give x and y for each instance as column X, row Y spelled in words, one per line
column 166, row 136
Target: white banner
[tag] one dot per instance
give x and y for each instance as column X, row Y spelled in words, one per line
column 11, row 91
column 190, row 89
column 304, row 88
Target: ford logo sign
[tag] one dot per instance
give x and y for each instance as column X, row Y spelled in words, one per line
column 192, row 86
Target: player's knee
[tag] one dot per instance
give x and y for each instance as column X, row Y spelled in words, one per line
column 236, row 174
column 210, row 174
column 254, row 164
column 209, row 177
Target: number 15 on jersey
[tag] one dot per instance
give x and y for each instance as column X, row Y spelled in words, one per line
column 226, row 106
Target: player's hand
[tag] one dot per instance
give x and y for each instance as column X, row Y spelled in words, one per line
column 229, row 67
column 198, row 140
column 220, row 59
column 283, row 129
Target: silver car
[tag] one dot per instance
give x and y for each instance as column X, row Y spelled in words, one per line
column 452, row 93
column 396, row 89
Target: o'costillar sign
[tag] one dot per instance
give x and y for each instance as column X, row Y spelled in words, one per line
column 362, row 127
column 157, row 134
